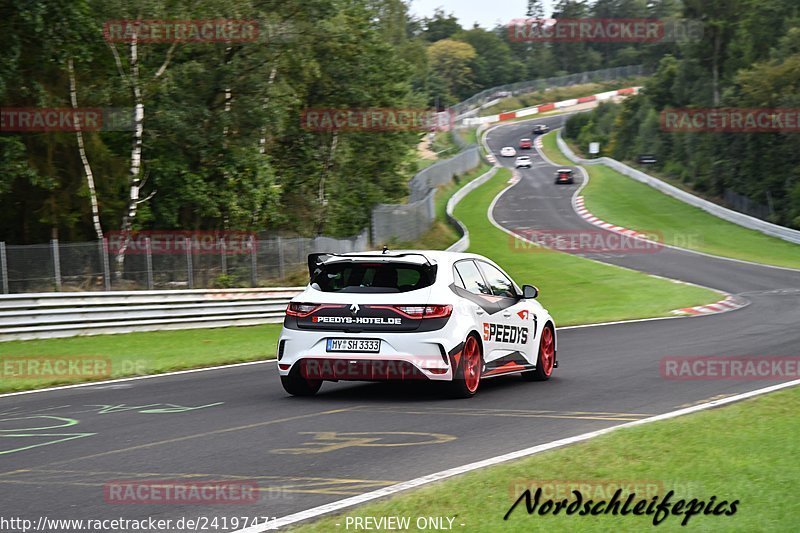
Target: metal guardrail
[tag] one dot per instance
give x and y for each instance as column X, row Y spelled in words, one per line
column 54, row 315
column 724, row 213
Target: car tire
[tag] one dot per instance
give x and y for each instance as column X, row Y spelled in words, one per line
column 467, row 377
column 545, row 362
column 297, row 385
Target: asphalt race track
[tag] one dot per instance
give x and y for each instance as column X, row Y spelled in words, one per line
column 60, row 448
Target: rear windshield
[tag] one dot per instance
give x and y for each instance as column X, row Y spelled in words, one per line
column 360, row 277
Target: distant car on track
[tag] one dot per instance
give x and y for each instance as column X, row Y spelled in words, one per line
column 564, row 175
column 538, row 129
column 508, row 151
column 523, row 161
column 454, row 318
column 525, row 144
column 500, row 94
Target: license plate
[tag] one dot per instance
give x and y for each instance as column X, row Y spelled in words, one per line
column 354, row 345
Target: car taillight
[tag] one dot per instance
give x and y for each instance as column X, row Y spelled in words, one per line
column 425, row 311
column 300, row 309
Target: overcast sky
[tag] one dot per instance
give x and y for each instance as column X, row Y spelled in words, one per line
column 486, row 13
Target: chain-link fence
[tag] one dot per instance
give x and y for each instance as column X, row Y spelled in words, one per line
column 407, row 222
column 92, row 266
column 442, row 172
column 743, row 204
column 473, row 103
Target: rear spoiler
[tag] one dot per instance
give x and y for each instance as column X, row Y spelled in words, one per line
column 317, row 259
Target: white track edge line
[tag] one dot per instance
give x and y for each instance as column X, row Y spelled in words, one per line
column 424, row 480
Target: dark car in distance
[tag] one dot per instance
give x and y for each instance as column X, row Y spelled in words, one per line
column 564, row 175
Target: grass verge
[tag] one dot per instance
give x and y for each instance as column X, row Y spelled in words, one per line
column 620, row 200
column 684, row 454
column 141, row 353
column 575, row 290
column 550, row 149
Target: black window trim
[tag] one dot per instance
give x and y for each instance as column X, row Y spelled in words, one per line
column 474, row 261
column 517, row 291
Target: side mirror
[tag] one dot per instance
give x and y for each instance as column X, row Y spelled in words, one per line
column 529, row 292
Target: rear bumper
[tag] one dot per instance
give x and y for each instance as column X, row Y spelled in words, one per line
column 402, row 356
column 347, row 369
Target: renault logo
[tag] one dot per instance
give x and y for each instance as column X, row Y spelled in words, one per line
column 354, row 309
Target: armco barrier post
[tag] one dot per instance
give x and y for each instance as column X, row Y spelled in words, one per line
column 4, row 266
column 56, row 263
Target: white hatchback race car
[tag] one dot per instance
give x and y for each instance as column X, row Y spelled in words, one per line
column 441, row 316
column 508, row 151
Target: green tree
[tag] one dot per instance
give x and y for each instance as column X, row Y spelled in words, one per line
column 452, row 61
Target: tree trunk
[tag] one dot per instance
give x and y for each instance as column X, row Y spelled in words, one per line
column 136, row 157
column 73, row 96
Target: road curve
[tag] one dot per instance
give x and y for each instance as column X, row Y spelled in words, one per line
column 61, row 448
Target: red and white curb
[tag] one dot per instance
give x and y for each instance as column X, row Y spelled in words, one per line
column 584, row 213
column 544, row 108
column 731, row 303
